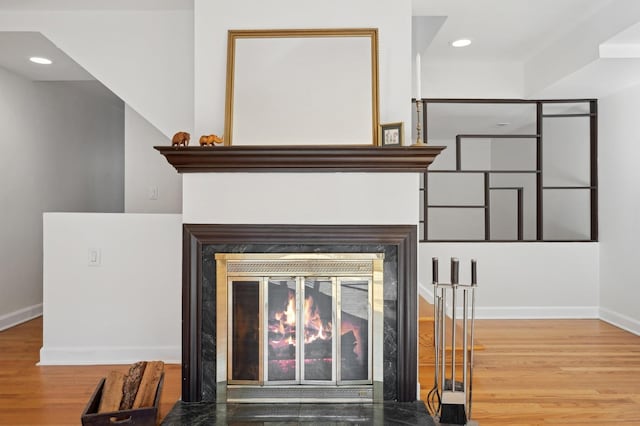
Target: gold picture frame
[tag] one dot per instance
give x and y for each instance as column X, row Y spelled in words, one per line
column 284, row 122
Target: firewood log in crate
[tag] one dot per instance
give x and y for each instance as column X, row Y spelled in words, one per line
column 127, row 399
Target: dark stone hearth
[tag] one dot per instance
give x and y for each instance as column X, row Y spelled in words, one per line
column 387, row 413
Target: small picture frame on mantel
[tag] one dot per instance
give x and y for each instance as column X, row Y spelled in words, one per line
column 391, row 134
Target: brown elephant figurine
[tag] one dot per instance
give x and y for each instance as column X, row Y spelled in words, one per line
column 210, row 140
column 181, row 139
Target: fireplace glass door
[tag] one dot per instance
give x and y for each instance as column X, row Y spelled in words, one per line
column 282, row 331
column 300, row 330
column 245, row 320
column 319, row 348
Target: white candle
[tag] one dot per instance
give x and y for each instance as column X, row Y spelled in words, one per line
column 418, row 77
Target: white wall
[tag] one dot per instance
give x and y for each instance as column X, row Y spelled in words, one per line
column 522, row 280
column 214, row 18
column 301, row 198
column 125, row 309
column 62, row 150
column 152, row 185
column 311, row 100
column 471, row 79
column 619, row 130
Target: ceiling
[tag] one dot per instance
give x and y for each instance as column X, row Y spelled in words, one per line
column 564, row 48
column 17, row 47
column 502, row 30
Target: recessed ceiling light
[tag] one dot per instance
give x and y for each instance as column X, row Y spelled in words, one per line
column 502, row 124
column 41, row 61
column 463, row 42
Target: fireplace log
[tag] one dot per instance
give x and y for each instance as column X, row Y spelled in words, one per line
column 112, row 392
column 131, row 385
column 149, row 384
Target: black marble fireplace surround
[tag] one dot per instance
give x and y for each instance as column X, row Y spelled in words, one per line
column 201, row 242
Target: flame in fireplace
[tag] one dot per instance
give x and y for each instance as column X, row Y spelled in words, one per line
column 285, row 322
column 288, row 316
column 309, row 322
column 314, row 327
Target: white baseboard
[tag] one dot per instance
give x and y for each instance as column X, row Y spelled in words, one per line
column 621, row 321
column 426, row 292
column 18, row 317
column 548, row 312
column 523, row 312
column 109, row 355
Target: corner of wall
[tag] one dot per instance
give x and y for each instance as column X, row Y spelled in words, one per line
column 151, row 185
column 619, row 320
column 18, row 317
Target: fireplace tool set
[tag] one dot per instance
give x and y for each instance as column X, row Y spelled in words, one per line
column 449, row 401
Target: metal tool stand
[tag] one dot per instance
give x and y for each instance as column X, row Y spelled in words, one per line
column 454, row 396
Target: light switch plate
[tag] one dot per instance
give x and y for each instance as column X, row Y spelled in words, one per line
column 153, row 192
column 95, row 257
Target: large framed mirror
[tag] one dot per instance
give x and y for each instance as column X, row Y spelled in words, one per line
column 302, row 87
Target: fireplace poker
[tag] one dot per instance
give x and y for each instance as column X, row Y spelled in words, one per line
column 450, row 401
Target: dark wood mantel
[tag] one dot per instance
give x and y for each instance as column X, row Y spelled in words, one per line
column 316, row 158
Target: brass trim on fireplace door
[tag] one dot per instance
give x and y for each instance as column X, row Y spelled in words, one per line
column 221, row 326
column 263, row 300
column 299, row 329
column 337, row 326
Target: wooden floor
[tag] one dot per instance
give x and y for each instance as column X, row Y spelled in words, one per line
column 569, row 372
column 32, row 395
column 553, row 372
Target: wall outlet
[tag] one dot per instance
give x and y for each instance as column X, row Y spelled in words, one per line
column 95, row 257
column 153, row 192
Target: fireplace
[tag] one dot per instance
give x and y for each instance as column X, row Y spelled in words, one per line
column 369, row 351
column 386, row 196
column 300, row 327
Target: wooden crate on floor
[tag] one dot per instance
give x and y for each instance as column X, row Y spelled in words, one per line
column 147, row 416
